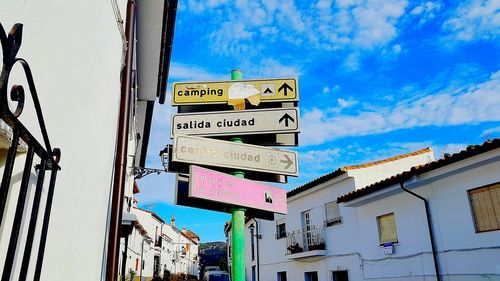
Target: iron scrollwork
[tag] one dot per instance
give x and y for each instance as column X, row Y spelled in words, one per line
column 49, row 161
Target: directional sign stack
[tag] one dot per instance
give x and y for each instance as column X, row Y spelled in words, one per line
column 210, row 114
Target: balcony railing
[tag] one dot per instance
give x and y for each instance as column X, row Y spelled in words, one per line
column 304, row 240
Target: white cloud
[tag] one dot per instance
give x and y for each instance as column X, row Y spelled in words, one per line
column 183, row 72
column 352, row 62
column 333, row 89
column 451, row 148
column 491, row 132
column 248, row 27
column 197, row 6
column 475, row 20
column 426, row 11
column 271, row 68
column 376, row 22
column 472, row 104
column 327, row 155
column 233, row 38
column 319, row 159
column 396, row 49
column 343, row 103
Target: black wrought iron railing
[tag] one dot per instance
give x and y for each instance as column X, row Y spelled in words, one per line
column 304, row 240
column 41, row 161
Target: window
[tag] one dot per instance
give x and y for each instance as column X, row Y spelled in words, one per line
column 485, row 202
column 306, row 225
column 340, row 275
column 332, row 212
column 387, row 229
column 311, row 276
column 281, row 276
column 280, row 229
column 253, row 273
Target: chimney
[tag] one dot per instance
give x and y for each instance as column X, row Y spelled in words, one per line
column 172, row 220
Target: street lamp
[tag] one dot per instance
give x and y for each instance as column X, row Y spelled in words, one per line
column 164, row 157
column 140, row 172
column 252, row 231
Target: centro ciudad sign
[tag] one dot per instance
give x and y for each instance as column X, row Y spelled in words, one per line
column 218, row 153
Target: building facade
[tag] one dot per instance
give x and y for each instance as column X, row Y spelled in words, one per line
column 159, row 249
column 445, row 223
column 336, row 230
column 97, row 86
column 302, row 244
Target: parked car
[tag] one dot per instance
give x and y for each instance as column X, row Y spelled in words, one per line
column 210, row 268
column 216, row 275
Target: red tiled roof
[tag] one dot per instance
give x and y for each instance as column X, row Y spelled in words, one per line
column 343, row 170
column 136, row 188
column 152, row 214
column 380, row 162
column 471, row 151
column 192, row 235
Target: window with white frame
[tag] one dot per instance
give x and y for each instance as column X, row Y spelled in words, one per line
column 485, row 204
column 387, row 229
column 332, row 213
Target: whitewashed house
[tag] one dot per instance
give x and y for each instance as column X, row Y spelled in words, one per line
column 316, row 235
column 99, row 69
column 338, row 231
column 446, row 222
column 156, row 248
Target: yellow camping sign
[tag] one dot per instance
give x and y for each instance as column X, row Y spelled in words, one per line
column 235, row 91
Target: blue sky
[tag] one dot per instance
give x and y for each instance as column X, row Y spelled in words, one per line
column 376, row 79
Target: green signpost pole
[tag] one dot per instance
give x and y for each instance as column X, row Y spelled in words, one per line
column 237, row 221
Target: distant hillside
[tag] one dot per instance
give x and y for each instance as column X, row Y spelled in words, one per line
column 213, row 253
column 213, row 245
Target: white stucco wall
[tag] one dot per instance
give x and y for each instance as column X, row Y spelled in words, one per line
column 74, row 50
column 463, row 254
column 353, row 245
column 372, row 174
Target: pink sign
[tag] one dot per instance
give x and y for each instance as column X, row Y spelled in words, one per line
column 216, row 186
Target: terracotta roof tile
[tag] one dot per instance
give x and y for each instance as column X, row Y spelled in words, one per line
column 136, row 188
column 472, row 150
column 343, row 170
column 397, row 157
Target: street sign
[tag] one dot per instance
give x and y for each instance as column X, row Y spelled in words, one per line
column 182, row 198
column 247, row 122
column 219, row 187
column 259, row 90
column 183, row 168
column 212, row 152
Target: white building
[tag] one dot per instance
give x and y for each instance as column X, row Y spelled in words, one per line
column 298, row 239
column 463, row 204
column 99, row 67
column 380, row 232
column 156, row 248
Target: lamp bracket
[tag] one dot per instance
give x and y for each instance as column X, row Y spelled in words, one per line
column 140, row 172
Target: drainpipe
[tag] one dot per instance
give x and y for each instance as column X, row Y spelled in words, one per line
column 120, row 163
column 258, row 255
column 142, row 259
column 429, row 225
